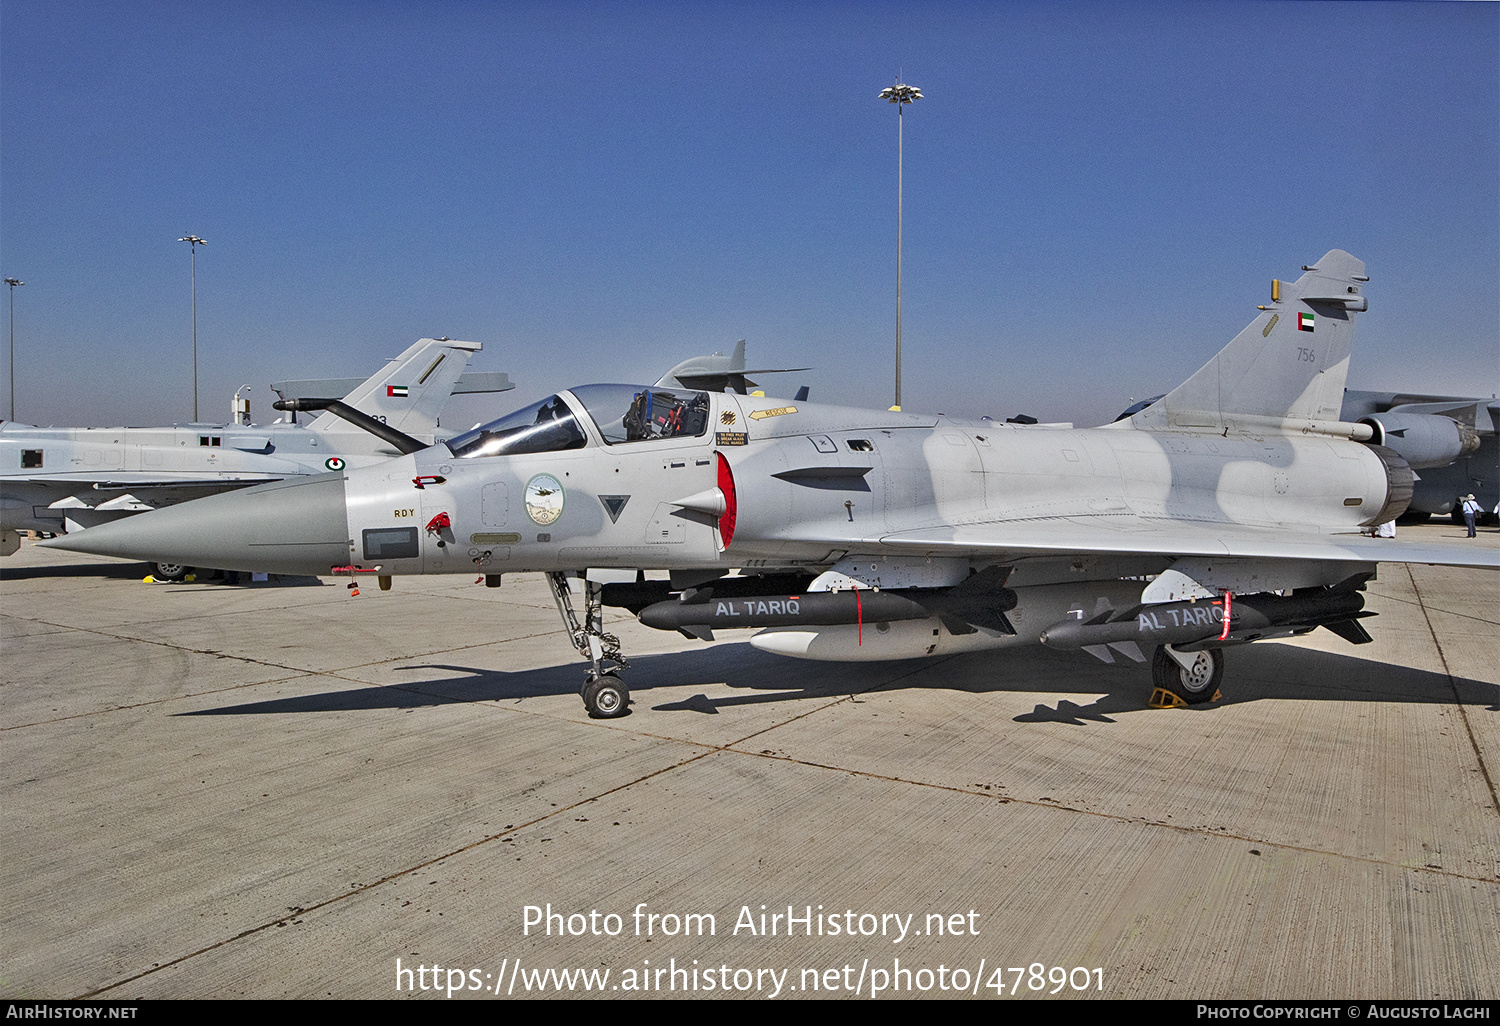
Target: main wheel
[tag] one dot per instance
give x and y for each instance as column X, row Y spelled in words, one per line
column 1194, row 686
column 171, row 571
column 606, row 697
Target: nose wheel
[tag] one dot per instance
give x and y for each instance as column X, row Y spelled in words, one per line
column 605, row 695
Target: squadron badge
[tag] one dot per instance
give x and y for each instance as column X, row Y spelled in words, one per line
column 544, row 499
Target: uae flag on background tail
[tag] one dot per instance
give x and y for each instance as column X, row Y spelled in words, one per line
column 1304, row 323
column 399, row 391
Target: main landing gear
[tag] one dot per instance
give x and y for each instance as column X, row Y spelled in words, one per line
column 170, row 571
column 1193, row 677
column 605, row 695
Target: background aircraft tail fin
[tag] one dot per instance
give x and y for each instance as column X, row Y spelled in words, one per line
column 1287, row 368
column 410, row 391
column 718, row 373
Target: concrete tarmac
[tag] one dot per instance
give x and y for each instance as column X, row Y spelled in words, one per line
column 276, row 790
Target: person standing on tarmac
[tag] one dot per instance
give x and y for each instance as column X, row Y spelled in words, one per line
column 1470, row 510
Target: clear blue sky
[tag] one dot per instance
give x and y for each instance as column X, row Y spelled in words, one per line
column 1097, row 194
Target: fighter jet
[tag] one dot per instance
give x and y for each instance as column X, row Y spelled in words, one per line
column 718, row 373
column 57, row 480
column 1228, row 512
column 1450, row 441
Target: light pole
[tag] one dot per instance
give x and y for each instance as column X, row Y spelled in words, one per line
column 12, row 282
column 195, row 242
column 900, row 95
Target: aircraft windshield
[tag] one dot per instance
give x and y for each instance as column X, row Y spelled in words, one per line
column 636, row 413
column 547, row 426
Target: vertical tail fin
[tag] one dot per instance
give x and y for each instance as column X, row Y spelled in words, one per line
column 718, row 373
column 1286, row 370
column 411, row 390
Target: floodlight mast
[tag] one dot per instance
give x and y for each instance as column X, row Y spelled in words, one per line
column 195, row 242
column 900, row 95
column 12, row 282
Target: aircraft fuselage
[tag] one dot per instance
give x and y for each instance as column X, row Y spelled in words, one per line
column 815, row 484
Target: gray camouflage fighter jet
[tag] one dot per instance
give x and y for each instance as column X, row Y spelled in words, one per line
column 65, row 479
column 1229, row 511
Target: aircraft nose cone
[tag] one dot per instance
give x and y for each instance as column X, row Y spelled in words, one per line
column 289, row 527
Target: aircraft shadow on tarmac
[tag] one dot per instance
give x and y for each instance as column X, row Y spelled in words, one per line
column 136, row 571
column 115, row 571
column 1265, row 671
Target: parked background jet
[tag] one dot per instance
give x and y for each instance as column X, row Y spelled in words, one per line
column 64, row 479
column 1449, row 441
column 1227, row 512
column 369, row 395
column 718, row 373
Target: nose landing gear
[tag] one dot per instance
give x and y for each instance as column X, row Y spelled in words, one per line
column 605, row 695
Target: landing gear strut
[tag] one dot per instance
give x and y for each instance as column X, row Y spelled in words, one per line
column 604, row 693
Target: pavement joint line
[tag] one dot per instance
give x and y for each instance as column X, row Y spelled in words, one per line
column 294, row 674
column 262, row 662
column 710, row 750
column 1115, row 817
column 398, row 874
column 183, row 618
column 22, row 619
column 827, row 699
column 334, row 675
column 728, row 748
column 181, row 648
column 154, row 701
column 338, row 675
column 293, row 671
column 849, row 698
column 1438, row 609
column 1457, row 698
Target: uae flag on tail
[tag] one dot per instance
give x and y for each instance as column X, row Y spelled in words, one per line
column 1304, row 323
column 399, row 391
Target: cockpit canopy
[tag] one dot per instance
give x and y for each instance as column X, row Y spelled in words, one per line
column 622, row 413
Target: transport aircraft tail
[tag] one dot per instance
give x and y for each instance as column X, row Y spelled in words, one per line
column 1286, row 371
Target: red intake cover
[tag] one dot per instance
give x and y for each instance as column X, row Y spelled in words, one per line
column 726, row 485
